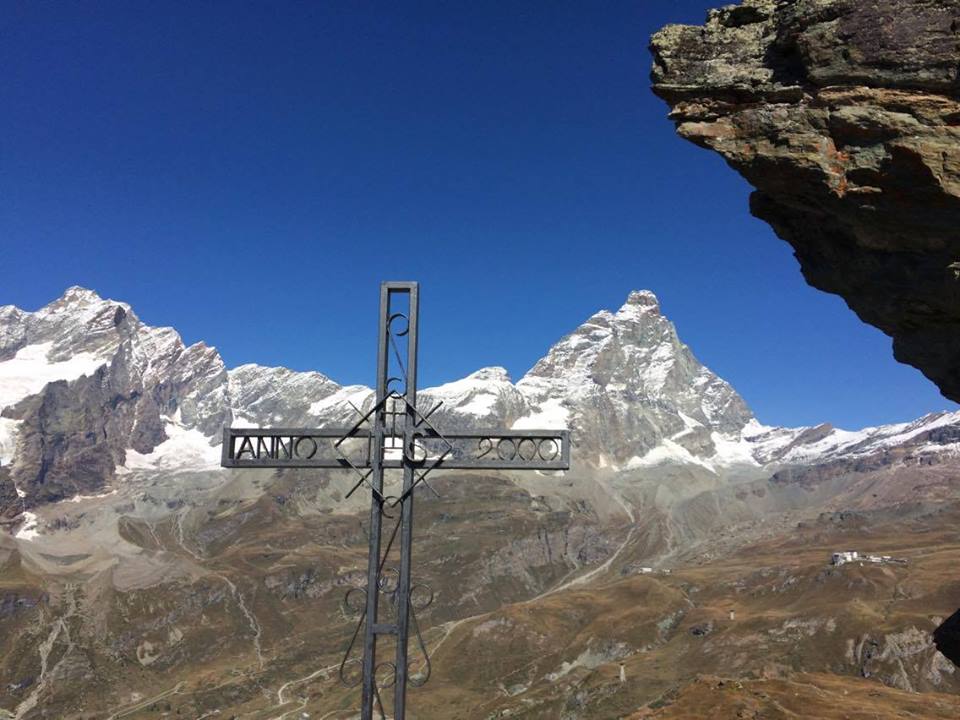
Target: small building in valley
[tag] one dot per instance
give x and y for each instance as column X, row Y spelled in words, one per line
column 844, row 556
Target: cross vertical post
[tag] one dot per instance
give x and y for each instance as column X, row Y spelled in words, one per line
column 406, row 512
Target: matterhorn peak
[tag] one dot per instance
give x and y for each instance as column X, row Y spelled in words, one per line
column 631, row 366
column 644, row 298
column 640, row 305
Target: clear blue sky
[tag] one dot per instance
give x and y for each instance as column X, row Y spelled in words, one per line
column 249, row 172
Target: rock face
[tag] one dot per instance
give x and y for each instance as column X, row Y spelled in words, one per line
column 83, row 383
column 844, row 115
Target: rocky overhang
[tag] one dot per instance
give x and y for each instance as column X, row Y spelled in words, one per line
column 844, row 115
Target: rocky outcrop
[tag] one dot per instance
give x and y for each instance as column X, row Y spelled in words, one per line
column 10, row 504
column 68, row 440
column 906, row 660
column 844, row 115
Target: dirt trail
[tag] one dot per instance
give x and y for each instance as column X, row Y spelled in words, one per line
column 139, row 705
column 449, row 627
column 588, row 576
column 306, row 678
column 237, row 595
column 251, row 618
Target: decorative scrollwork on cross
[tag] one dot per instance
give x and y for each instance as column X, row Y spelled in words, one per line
column 388, row 584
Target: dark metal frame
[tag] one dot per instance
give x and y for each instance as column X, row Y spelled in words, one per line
column 394, row 415
column 491, row 443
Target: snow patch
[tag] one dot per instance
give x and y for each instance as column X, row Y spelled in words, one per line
column 184, row 449
column 480, row 405
column 551, row 415
column 656, row 370
column 28, row 531
column 354, row 394
column 243, row 421
column 80, row 498
column 689, row 422
column 732, row 451
column 667, row 452
column 27, row 372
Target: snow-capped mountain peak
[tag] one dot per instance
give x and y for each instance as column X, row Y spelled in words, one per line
column 117, row 393
column 487, row 394
column 628, row 382
column 640, row 301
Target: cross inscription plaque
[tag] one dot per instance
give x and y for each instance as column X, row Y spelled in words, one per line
column 393, row 435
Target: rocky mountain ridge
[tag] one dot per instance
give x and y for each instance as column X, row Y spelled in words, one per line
column 88, row 391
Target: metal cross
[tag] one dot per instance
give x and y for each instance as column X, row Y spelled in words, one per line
column 393, row 434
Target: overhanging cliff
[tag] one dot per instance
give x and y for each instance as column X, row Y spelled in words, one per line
column 844, row 115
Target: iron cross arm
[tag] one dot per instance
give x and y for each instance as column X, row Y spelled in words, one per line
column 353, row 448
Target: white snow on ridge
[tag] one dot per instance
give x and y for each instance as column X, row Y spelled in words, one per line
column 355, row 394
column 184, row 449
column 551, row 415
column 667, row 452
column 28, row 531
column 477, row 394
column 481, row 405
column 787, row 445
column 833, row 443
column 758, row 445
column 907, row 431
column 27, row 372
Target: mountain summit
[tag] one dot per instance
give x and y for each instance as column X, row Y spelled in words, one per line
column 628, row 382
